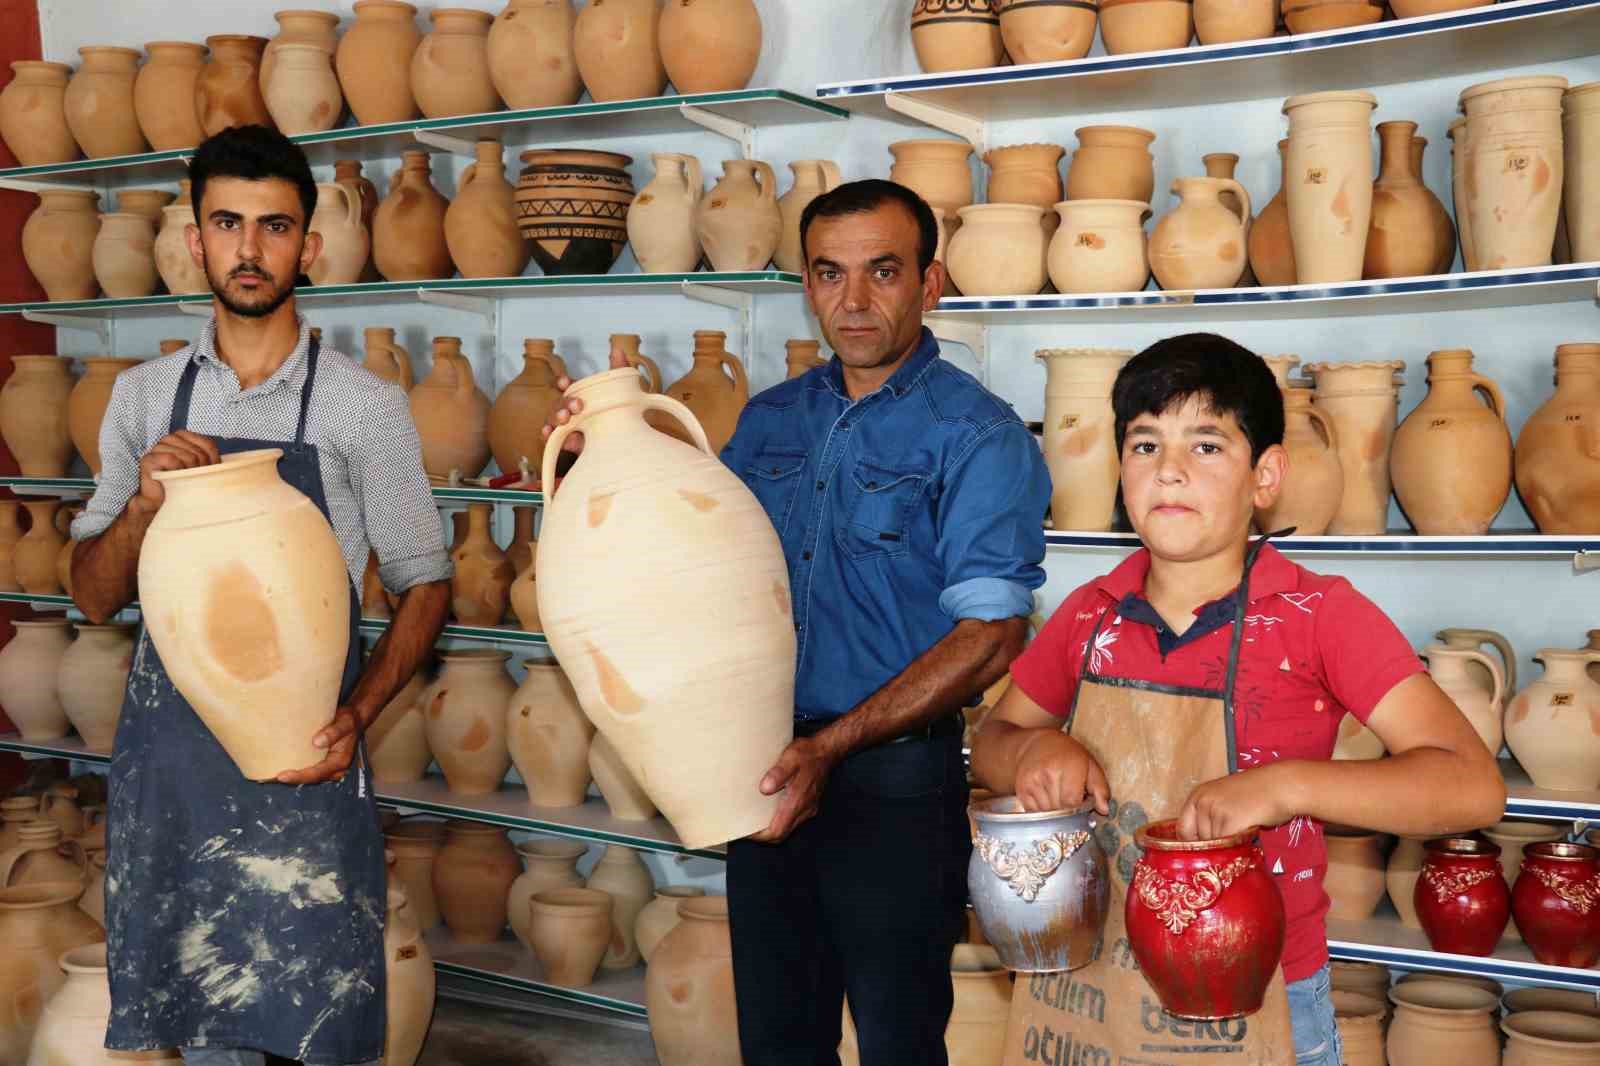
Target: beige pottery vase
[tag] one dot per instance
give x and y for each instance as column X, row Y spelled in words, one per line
column 569, row 929
column 552, row 862
column 10, row 533
column 1558, row 450
column 1400, row 878
column 29, row 665
column 415, row 843
column 975, row 1034
column 297, row 26
column 665, row 503
column 549, row 737
column 234, row 541
column 175, row 264
column 34, row 419
column 572, row 204
column 452, row 414
column 525, row 589
column 163, row 94
column 124, row 255
column 801, row 356
column 346, row 244
column 938, row 171
column 1099, row 247
column 465, row 713
column 710, row 46
column 1048, row 32
column 33, row 119
column 410, row 983
column 1112, row 163
column 662, row 217
column 715, row 389
column 1328, row 186
column 1200, row 244
column 1361, row 1020
column 1271, row 249
column 481, row 586
column 374, row 61
column 1514, row 169
column 1355, row 877
column 739, row 222
column 347, row 172
column 397, row 740
column 614, row 42
column 519, row 412
column 625, row 798
column 1145, row 25
column 38, row 924
column 480, row 225
column 1580, row 140
column 999, row 250
column 227, row 91
column 1403, row 239
column 408, row 242
column 450, row 68
column 58, row 244
column 385, row 357
column 1359, row 398
column 1225, row 21
column 36, row 554
column 954, row 35
column 622, row 875
column 531, row 60
column 43, row 855
column 1310, row 494
column 1513, row 836
column 72, row 1026
column 1551, row 1038
column 1080, row 446
column 1458, row 192
column 812, row 178
column 660, row 917
column 1449, row 670
column 1444, row 229
column 98, row 102
column 91, row 681
column 1547, row 724
column 1451, row 458
column 304, row 95
column 1473, row 640
column 146, row 202
column 1443, row 1021
column 471, row 878
column 688, row 989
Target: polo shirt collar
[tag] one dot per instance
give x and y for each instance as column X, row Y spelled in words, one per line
column 1272, row 574
column 204, row 352
column 902, row 380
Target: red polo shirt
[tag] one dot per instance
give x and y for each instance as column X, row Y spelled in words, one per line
column 1313, row 649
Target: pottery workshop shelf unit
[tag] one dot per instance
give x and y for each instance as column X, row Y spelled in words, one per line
column 510, row 965
column 1383, row 939
column 76, row 488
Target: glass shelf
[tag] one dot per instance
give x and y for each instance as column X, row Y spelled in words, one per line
column 1512, row 544
column 74, row 487
column 1383, row 939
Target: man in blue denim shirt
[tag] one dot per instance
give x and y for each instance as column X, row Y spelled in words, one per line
column 910, row 502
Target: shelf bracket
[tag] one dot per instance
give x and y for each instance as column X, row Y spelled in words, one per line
column 741, row 303
column 484, row 306
column 975, row 335
column 446, row 143
column 197, row 310
column 89, row 324
column 1585, row 561
column 969, row 128
column 24, row 185
column 742, row 134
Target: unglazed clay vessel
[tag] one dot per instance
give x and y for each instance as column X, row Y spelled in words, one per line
column 1112, row 163
column 72, row 1026
column 1200, row 244
column 347, row 172
column 956, row 35
column 124, row 255
column 1451, row 458
column 304, row 95
column 410, row 983
column 35, row 557
column 715, row 389
column 622, row 875
column 710, row 46
column 33, row 120
column 1514, row 169
column 174, row 263
column 1354, row 880
column 1360, row 1020
column 480, row 226
column 64, row 520
column 42, row 856
column 525, row 589
column 1225, row 21
column 688, row 988
column 10, row 533
column 397, row 740
column 801, row 356
column 227, row 91
column 465, row 714
column 1558, row 450
column 1328, row 183
column 58, row 244
column 450, row 68
column 570, row 930
column 34, row 419
column 531, row 60
column 1403, row 240
column 660, row 916
column 549, row 737
column 519, row 412
column 661, row 218
column 1145, row 25
column 1271, row 249
column 739, row 222
column 936, row 170
column 1047, row 32
column 1080, row 445
column 1546, row 725
column 1444, row 229
column 1027, row 174
column 164, row 92
column 1310, row 493
column 98, row 102
column 29, row 665
column 374, row 61
column 146, row 202
column 316, row 28
column 1449, row 669
column 471, row 879
column 999, row 250
column 1472, row 640
column 1551, row 1038
column 415, row 844
column 38, row 924
column 1580, row 140
column 346, row 244
column 625, row 799
column 91, row 680
column 451, row 414
column 1360, row 400
column 615, row 44
column 552, row 862
column 572, row 205
column 1442, row 1021
column 812, row 178
column 408, row 241
column 385, row 358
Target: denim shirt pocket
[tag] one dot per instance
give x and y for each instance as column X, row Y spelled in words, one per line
column 878, row 503
column 774, row 477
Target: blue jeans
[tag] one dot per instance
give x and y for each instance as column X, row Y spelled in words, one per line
column 1316, row 1037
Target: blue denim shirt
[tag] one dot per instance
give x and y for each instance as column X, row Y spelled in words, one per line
column 900, row 513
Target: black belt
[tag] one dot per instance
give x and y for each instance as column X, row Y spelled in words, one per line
column 950, row 725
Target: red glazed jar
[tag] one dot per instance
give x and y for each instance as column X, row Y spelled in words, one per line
column 1556, row 903
column 1461, row 896
column 1205, row 922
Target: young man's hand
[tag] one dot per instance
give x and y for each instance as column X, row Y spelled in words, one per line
column 1253, row 798
column 1056, row 773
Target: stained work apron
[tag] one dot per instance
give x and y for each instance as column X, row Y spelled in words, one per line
column 1156, row 743
column 240, row 914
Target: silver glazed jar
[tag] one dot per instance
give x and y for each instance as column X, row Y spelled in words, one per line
column 1039, row 884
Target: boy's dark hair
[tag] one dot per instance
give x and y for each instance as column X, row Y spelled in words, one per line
column 1227, row 378
column 253, row 153
column 859, row 197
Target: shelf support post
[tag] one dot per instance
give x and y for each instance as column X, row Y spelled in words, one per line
column 741, row 303
column 446, row 143
column 975, row 335
column 740, row 133
column 87, row 323
column 969, row 128
column 487, row 308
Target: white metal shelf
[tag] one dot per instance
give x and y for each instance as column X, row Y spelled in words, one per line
column 77, row 487
column 1510, row 544
column 510, row 965
column 1383, row 939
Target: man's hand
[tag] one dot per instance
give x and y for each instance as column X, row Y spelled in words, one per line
column 801, row 773
column 176, row 451
column 1239, row 802
column 339, row 737
column 1056, row 773
column 567, row 410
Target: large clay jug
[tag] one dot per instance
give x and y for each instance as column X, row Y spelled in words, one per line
column 58, row 244
column 174, row 263
column 385, row 357
column 812, row 178
column 1514, row 169
column 1027, row 174
column 10, row 533
column 1222, row 165
column 91, row 681
column 245, row 595
column 346, row 244
column 347, row 172
column 163, row 94
column 471, row 879
column 549, row 737
column 415, row 844
column 1310, row 494
column 124, row 255
column 408, row 240
column 938, row 171
column 572, row 204
column 409, row 982
column 531, row 60
column 397, row 740
column 72, row 1027
column 1000, row 250
column 955, row 35
column 1580, row 140
column 1080, row 446
column 34, row 417
column 36, row 554
column 710, row 46
column 1403, row 239
column 661, row 218
column 1271, row 249
column 303, row 96
column 1360, row 400
column 1047, row 32
column 99, row 102
column 1100, row 246
column 374, row 61
column 33, row 119
column 1442, row 1021
column 29, row 665
column 1558, row 450
column 38, row 924
column 569, row 929
column 227, row 91
column 452, row 414
column 801, row 356
column 1328, row 183
column 625, row 798
column 465, row 713
column 688, row 989
column 634, row 500
column 1200, row 244
column 622, row 875
column 317, row 28
column 1482, row 676
column 552, row 862
column 1551, row 1038
column 1449, row 669
column 519, row 412
column 1112, row 163
column 480, row 226
column 1547, row 724
column 739, row 222
column 715, row 389
column 1444, row 229
column 660, row 917
column 450, row 68
column 614, row 42
column 481, row 585
column 1451, row 458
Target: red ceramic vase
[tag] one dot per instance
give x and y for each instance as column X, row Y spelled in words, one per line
column 1556, row 902
column 1461, row 896
column 1205, row 922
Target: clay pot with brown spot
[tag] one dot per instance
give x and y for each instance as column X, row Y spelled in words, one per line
column 38, row 924
column 347, row 172
column 570, row 929
column 1451, row 458
column 1200, row 244
column 1444, row 229
column 688, row 989
column 33, row 120
column 615, row 45
column 408, row 242
column 374, row 61
column 99, row 102
column 548, row 736
column 29, row 665
column 173, row 262
column 480, row 588
column 1145, row 25
column 1515, row 169
column 1404, row 239
column 228, row 90
column 1222, row 165
column 623, row 876
column 465, row 713
column 956, row 35
column 522, row 547
column 1099, row 247
column 1360, row 399
column 124, row 255
column 739, row 222
column 92, row 679
column 710, row 46
column 661, row 218
column 34, row 414
column 1080, row 445
column 812, row 178
column 410, row 983
column 1355, row 877
column 1328, row 186
column 36, row 554
column 58, row 244
column 660, row 917
column 1112, row 163
column 451, row 414
column 531, row 58
column 304, row 96
column 385, row 357
column 1580, row 140
column 715, row 389
column 415, row 844
column 1557, row 457
column 450, row 68
column 480, row 225
column 471, row 879
column 1047, row 32
column 397, row 740
column 163, row 94
column 1551, row 724
column 519, row 412
column 625, row 798
column 552, row 862
column 320, row 29
column 1000, row 250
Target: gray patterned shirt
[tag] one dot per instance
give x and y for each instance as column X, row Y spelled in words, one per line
column 366, row 442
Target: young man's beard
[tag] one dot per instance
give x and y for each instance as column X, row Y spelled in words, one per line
column 259, row 305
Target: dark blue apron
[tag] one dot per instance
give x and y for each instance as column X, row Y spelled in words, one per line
column 240, row 914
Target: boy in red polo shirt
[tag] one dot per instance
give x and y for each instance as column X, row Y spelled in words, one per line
column 1199, row 425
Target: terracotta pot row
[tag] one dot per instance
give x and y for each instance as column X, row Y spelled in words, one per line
column 54, row 684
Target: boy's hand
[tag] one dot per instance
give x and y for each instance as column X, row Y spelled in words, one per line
column 1056, row 772
column 1237, row 803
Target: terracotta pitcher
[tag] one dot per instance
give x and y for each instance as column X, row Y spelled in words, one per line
column 124, row 255
column 1514, row 169
column 660, row 917
column 531, row 60
column 623, row 876
column 1000, row 250
column 1200, row 244
column 480, row 226
column 715, row 389
column 549, row 737
column 739, row 222
column 408, row 241
column 710, row 46
column 318, row 28
column 661, row 219
column 519, row 412
column 35, row 556
column 959, row 35
column 58, row 244
column 397, row 740
column 1403, row 240
column 91, row 681
column 1580, row 140
column 1222, row 165
column 227, row 91
column 452, row 414
column 1027, row 174
column 812, row 178
column 471, row 879
column 345, row 241
column 1444, row 229
column 163, row 94
column 1046, row 33
column 415, row 844
column 374, row 61
column 801, row 356
column 938, row 171
column 10, row 533
column 481, row 586
column 572, row 204
column 34, row 418
column 33, row 119
column 625, row 798
column 174, row 263
column 569, row 929
column 1328, row 186
column 99, row 102
column 38, row 924
column 1271, row 249
column 628, row 343
column 1100, row 246
column 29, row 665
column 1558, row 450
column 1451, row 457
column 689, row 988
column 1360, row 400
column 450, row 68
column 465, row 714
column 1080, row 445
column 1547, row 723
column 667, row 502
column 1472, row 640
column 410, row 983
column 1443, row 1021
column 347, row 172
column 385, row 358
column 614, row 42
column 552, row 862
column 1112, row 163
column 304, row 96
column 1448, row 667
column 1309, row 497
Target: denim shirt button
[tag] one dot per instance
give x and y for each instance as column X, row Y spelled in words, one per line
column 822, row 484
column 806, row 556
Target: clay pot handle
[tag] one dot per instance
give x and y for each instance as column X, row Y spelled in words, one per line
column 1498, row 699
column 1491, row 392
column 1027, row 873
column 769, row 181
column 741, row 384
column 1325, row 424
column 352, row 204
column 468, row 172
column 668, row 406
column 1501, row 644
column 832, row 178
column 696, row 177
column 1244, row 199
column 558, row 364
column 652, row 372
